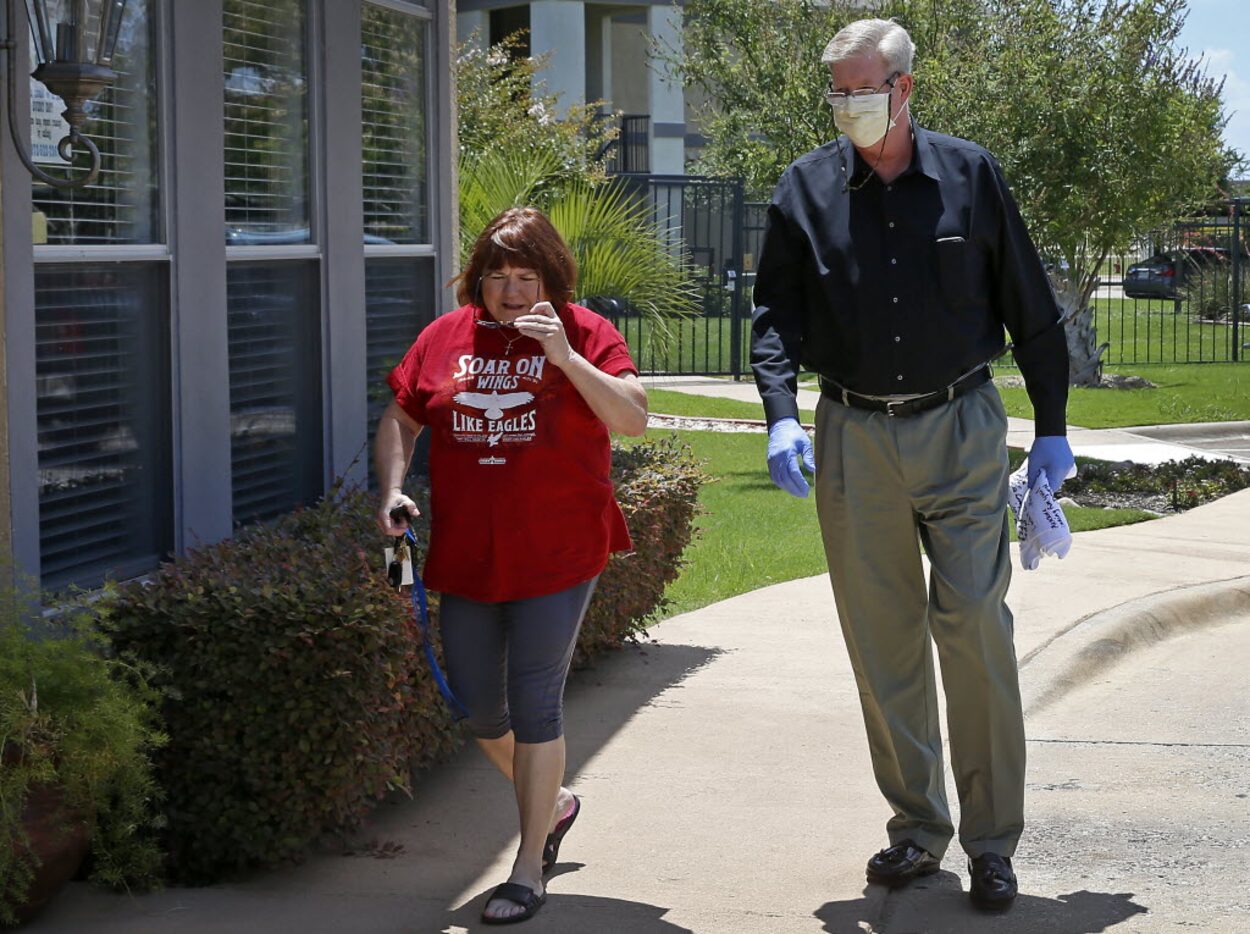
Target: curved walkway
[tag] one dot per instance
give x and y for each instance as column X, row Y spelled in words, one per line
column 727, row 788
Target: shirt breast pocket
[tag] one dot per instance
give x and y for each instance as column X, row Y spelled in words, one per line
column 961, row 272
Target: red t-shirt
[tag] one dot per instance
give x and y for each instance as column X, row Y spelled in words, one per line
column 521, row 499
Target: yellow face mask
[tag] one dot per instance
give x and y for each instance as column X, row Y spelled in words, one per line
column 865, row 119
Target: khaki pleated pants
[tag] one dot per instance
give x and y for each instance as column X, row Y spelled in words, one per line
column 884, row 485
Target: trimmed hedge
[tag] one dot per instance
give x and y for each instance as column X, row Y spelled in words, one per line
column 657, row 485
column 296, row 694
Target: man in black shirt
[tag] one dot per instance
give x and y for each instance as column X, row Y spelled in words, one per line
column 893, row 260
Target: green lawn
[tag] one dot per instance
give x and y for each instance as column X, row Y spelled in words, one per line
column 668, row 402
column 1215, row 392
column 751, row 534
column 1157, row 331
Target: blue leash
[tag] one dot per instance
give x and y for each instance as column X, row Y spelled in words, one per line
column 420, row 609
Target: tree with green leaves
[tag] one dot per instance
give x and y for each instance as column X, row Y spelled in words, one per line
column 1104, row 126
column 515, row 150
column 502, row 104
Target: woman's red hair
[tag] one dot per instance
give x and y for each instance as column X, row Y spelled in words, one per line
column 525, row 239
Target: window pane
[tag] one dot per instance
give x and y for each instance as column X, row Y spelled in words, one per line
column 275, row 387
column 266, row 78
column 120, row 206
column 102, row 367
column 396, row 174
column 399, row 302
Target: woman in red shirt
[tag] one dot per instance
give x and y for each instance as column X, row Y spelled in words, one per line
column 519, row 389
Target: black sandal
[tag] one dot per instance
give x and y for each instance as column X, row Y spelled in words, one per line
column 551, row 849
column 518, row 894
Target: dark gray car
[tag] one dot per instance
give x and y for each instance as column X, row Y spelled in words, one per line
column 1163, row 275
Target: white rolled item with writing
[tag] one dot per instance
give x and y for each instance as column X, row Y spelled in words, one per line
column 1041, row 527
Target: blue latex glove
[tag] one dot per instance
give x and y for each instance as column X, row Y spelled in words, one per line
column 1053, row 454
column 787, row 442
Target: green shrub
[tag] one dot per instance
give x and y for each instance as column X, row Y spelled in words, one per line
column 296, row 696
column 1189, row 482
column 657, row 484
column 75, row 719
column 1209, row 290
column 296, row 691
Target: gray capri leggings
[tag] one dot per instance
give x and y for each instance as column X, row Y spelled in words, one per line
column 507, row 662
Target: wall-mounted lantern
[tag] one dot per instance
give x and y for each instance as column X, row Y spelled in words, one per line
column 74, row 42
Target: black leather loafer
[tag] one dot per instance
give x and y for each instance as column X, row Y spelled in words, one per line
column 899, row 864
column 993, row 882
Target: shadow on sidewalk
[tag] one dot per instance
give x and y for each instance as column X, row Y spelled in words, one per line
column 940, row 905
column 574, row 914
column 426, row 851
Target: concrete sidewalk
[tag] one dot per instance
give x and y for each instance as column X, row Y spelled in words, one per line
column 1152, row 444
column 727, row 787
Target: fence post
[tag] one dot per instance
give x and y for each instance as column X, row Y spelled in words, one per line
column 735, row 307
column 1238, row 203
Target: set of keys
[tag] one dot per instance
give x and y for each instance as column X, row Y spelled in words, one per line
column 399, row 555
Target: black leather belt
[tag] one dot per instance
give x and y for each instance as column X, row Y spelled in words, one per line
column 832, row 390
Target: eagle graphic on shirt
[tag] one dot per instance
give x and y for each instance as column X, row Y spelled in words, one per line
column 493, row 403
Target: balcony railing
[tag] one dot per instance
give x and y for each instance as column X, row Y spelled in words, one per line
column 630, row 152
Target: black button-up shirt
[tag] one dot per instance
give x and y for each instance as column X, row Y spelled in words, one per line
column 901, row 288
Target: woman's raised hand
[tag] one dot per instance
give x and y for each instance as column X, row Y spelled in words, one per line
column 544, row 325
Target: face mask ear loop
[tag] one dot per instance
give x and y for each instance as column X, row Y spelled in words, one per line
column 890, row 123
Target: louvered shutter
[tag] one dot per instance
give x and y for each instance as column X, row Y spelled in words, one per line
column 397, row 307
column 273, row 305
column 275, row 372
column 399, row 289
column 266, row 87
column 101, row 359
column 393, row 57
column 102, row 366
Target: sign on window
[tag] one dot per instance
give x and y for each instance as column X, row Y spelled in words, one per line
column 47, row 126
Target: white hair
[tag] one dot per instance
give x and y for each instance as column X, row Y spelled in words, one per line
column 883, row 36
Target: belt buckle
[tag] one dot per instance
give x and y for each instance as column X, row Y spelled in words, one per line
column 889, row 407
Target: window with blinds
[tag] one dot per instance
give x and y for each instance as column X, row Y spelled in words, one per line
column 396, row 174
column 121, row 205
column 266, row 87
column 275, row 377
column 103, row 410
column 398, row 304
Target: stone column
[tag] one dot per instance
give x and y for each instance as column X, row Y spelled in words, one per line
column 468, row 21
column 558, row 28
column 665, row 96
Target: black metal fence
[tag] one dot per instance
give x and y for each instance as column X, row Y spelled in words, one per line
column 1180, row 295
column 630, row 152
column 702, row 221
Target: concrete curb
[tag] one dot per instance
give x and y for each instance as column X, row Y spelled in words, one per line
column 1101, row 640
column 1192, row 430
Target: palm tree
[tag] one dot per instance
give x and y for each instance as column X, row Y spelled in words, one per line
column 620, row 248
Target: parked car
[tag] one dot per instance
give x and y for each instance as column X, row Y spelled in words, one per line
column 1163, row 275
